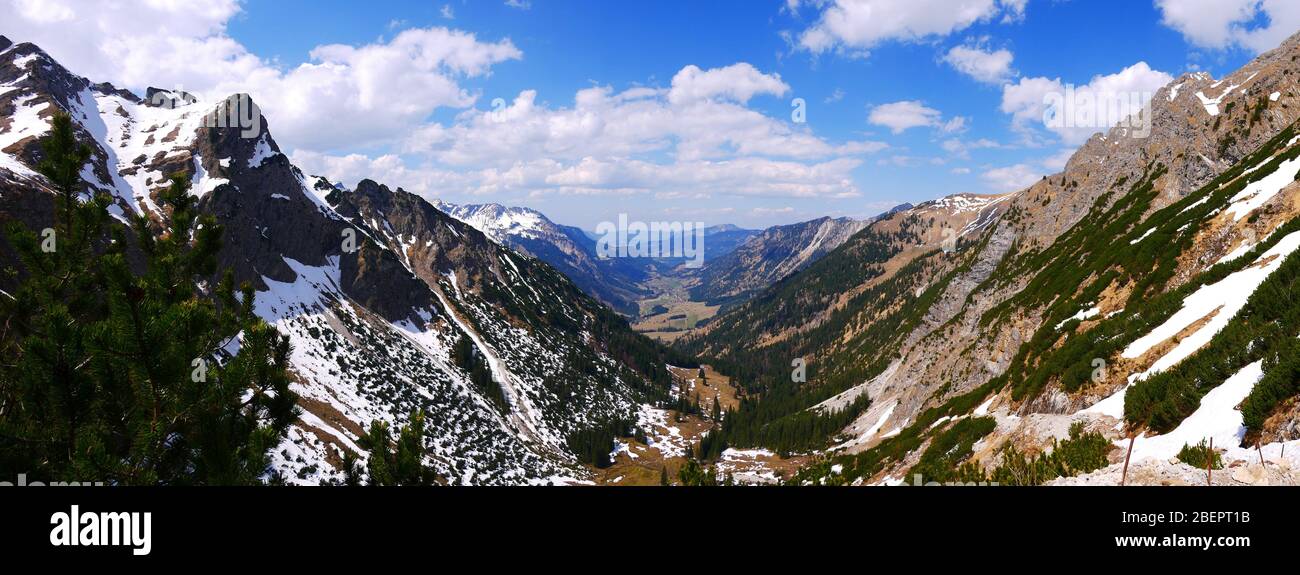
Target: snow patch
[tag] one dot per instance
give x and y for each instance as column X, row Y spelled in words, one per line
column 1259, row 192
column 1217, row 418
column 261, row 153
column 1083, row 315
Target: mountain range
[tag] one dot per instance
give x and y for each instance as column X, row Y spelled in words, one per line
column 737, row 262
column 376, row 288
column 1092, row 328
column 1119, row 304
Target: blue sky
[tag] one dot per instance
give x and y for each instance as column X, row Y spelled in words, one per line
column 905, row 100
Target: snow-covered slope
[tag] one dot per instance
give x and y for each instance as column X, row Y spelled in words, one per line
column 373, row 323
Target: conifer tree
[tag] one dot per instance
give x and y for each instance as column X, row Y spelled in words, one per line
column 693, row 474
column 129, row 374
column 400, row 461
column 351, row 469
column 45, row 386
column 64, row 159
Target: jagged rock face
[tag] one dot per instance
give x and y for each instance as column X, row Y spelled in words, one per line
column 373, row 287
column 770, row 256
column 266, row 211
column 1199, row 127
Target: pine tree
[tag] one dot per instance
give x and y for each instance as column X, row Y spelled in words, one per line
column 693, row 474
column 351, row 469
column 663, row 475
column 397, row 461
column 45, row 387
column 64, row 159
column 135, row 377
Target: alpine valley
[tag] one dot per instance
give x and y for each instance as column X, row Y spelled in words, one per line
column 1097, row 326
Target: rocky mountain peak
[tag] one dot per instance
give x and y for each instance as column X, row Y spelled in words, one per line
column 374, row 287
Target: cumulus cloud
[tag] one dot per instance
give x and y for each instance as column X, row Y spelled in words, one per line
column 752, row 177
column 905, row 115
column 697, row 136
column 182, row 39
column 1257, row 25
column 989, row 67
column 684, row 122
column 344, row 96
column 1103, row 102
column 737, row 82
column 856, row 26
column 350, row 96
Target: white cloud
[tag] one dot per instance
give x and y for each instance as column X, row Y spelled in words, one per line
column 685, row 124
column 1012, row 178
column 737, row 82
column 1093, row 107
column 1222, row 24
column 961, row 148
column 984, row 66
column 697, row 136
column 904, row 161
column 902, row 116
column 44, row 11
column 905, row 115
column 1026, row 100
column 751, row 177
column 345, row 96
column 351, row 96
column 447, row 12
column 520, row 4
column 856, row 26
column 126, row 46
column 1014, row 10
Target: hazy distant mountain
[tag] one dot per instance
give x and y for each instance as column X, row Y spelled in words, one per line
column 766, row 257
column 614, row 281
